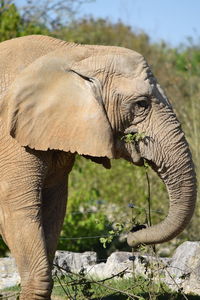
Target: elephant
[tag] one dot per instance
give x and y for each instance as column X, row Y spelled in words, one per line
column 60, row 100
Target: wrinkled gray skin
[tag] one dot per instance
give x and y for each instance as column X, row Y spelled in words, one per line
column 120, row 88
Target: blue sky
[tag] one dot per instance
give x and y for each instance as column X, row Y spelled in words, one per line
column 170, row 20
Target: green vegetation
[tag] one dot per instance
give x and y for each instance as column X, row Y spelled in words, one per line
column 136, row 137
column 84, row 219
column 109, row 193
column 116, row 289
column 82, row 288
column 12, row 24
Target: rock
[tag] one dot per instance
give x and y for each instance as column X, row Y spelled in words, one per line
column 184, row 269
column 8, row 273
column 77, row 262
column 116, row 263
column 74, row 262
column 127, row 264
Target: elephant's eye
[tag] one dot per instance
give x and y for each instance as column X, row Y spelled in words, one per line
column 143, row 104
column 135, row 110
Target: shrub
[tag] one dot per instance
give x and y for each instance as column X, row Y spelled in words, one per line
column 84, row 224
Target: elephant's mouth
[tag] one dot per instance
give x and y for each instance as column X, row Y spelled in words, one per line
column 133, row 156
column 139, row 162
column 128, row 151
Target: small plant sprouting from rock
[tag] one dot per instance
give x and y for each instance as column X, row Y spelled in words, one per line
column 136, row 137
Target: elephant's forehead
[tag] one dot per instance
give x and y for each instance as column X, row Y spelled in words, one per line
column 113, row 61
column 130, row 64
column 132, row 87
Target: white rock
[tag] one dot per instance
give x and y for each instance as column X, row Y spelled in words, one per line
column 74, row 262
column 184, row 269
column 117, row 262
column 97, row 271
column 8, row 273
column 181, row 271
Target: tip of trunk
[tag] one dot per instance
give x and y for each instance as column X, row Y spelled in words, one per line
column 182, row 205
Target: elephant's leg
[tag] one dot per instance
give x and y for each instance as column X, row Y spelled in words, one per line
column 20, row 189
column 27, row 244
column 53, row 213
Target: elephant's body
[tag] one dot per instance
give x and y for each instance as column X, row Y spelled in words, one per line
column 57, row 100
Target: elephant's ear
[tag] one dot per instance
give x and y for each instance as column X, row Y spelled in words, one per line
column 50, row 106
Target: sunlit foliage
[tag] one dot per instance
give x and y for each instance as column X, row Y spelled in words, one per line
column 178, row 71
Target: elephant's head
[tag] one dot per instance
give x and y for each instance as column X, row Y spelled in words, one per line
column 104, row 102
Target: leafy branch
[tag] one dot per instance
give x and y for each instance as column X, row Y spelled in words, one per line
column 136, row 137
column 87, row 288
column 119, row 227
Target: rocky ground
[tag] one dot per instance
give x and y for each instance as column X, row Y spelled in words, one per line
column 181, row 271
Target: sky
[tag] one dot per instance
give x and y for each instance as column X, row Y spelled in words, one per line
column 172, row 21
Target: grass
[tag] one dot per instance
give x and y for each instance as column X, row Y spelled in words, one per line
column 80, row 288
column 116, row 289
column 10, row 293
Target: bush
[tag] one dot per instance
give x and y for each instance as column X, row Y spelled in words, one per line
column 84, row 224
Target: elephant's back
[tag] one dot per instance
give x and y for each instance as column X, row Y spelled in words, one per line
column 18, row 53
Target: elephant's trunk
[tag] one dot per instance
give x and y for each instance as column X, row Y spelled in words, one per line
column 170, row 157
